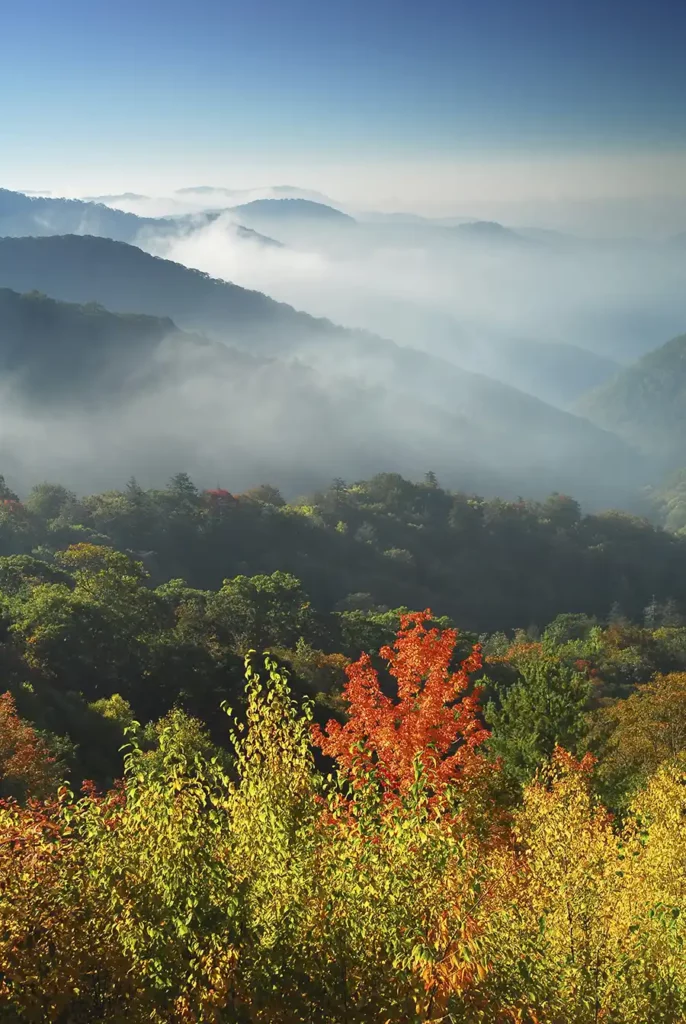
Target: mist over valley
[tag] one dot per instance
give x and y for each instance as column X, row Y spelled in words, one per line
column 297, row 341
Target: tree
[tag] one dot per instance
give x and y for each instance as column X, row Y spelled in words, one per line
column 433, row 721
column 182, row 489
column 265, row 493
column 6, row 493
column 19, row 573
column 47, row 500
column 645, row 729
column 260, row 611
column 543, row 710
column 561, row 511
column 90, row 632
column 568, row 627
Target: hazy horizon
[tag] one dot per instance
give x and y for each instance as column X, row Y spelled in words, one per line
column 560, row 116
column 633, row 194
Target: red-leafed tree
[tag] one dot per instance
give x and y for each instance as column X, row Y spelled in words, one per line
column 434, row 719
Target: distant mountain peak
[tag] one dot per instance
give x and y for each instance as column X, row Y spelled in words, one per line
column 119, row 197
column 200, row 190
column 293, row 207
column 488, row 230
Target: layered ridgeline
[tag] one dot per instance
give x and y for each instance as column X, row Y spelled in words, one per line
column 302, row 221
column 345, row 401
column 557, row 372
column 554, row 371
column 646, row 403
column 101, row 393
column 295, row 217
column 42, row 216
column 230, row 196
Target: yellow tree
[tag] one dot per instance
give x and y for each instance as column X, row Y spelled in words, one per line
column 641, row 732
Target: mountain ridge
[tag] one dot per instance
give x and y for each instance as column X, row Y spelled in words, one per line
column 292, row 208
column 42, row 216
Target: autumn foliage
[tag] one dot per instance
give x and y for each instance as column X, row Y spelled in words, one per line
column 432, row 719
column 393, row 889
column 26, row 765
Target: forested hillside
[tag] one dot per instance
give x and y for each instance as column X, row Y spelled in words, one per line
column 387, row 753
column 646, row 403
column 243, row 776
column 38, row 215
column 123, row 278
column 54, row 351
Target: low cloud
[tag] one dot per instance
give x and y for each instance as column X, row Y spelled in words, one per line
column 426, row 287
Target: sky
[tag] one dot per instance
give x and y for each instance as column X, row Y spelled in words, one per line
column 391, row 103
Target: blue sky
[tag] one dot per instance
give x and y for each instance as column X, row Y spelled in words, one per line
column 120, row 95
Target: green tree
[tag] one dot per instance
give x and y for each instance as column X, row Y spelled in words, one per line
column 262, row 611
column 47, row 501
column 544, row 709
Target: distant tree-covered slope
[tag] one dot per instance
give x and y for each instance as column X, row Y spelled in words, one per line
column 646, row 403
column 264, row 210
column 669, row 501
column 45, row 215
column 489, row 231
column 125, row 279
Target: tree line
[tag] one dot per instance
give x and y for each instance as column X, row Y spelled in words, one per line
column 386, row 542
